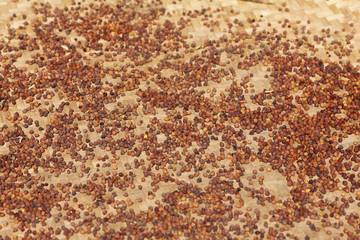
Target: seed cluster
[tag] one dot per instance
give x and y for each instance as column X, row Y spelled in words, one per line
column 120, row 122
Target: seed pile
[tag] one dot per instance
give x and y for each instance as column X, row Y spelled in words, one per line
column 119, row 123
